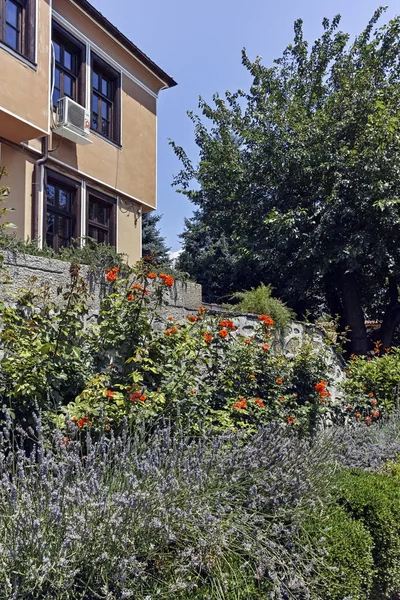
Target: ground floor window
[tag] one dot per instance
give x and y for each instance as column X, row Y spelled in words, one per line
column 101, row 218
column 61, row 208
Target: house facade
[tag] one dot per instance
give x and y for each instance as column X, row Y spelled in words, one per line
column 78, row 124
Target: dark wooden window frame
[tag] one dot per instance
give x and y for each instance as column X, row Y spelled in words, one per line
column 70, row 185
column 78, row 70
column 26, row 27
column 98, row 65
column 112, row 202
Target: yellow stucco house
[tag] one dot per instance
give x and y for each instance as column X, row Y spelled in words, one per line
column 78, row 124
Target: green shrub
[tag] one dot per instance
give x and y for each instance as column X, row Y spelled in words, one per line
column 347, row 569
column 373, row 384
column 374, row 500
column 260, row 301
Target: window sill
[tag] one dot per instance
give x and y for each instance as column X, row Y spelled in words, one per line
column 18, row 56
column 102, row 137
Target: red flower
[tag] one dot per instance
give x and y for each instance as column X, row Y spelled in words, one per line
column 83, row 421
column 247, row 342
column 135, row 396
column 223, row 333
column 357, row 416
column 167, row 279
column 265, row 347
column 131, row 297
column 252, row 376
column 279, row 380
column 376, row 414
column 170, row 318
column 371, row 394
column 201, row 310
column 282, row 399
column 266, row 320
column 162, row 275
column 291, row 420
column 191, row 318
column 259, row 402
column 240, row 404
column 137, row 286
column 227, row 324
column 207, row 338
column 320, row 387
column 167, row 332
column 152, row 275
column 112, row 274
column 193, row 392
column 173, row 330
column 110, row 394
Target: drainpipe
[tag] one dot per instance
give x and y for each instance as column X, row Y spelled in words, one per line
column 36, row 186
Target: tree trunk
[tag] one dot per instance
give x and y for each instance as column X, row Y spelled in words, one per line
column 353, row 313
column 391, row 318
column 333, row 300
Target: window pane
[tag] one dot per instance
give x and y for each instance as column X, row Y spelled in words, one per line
column 64, row 200
column 63, row 228
column 105, row 128
column 67, row 60
column 56, row 95
column 50, row 223
column 11, row 37
column 105, row 110
column 68, row 85
column 12, row 11
column 50, row 194
column 57, row 51
column 95, row 104
column 105, row 87
column 95, row 80
column 93, row 232
column 102, row 237
column 57, row 78
column 95, row 121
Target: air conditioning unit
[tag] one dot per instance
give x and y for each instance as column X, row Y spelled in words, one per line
column 72, row 121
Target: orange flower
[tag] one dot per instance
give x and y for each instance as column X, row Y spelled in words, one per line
column 265, row 347
column 266, row 320
column 247, row 342
column 170, row 318
column 167, row 332
column 142, row 398
column 137, row 286
column 162, row 275
column 259, row 402
column 83, row 421
column 131, row 297
column 108, row 428
column 252, row 376
column 376, row 414
column 152, row 275
column 282, row 399
column 112, row 274
column 357, row 415
column 193, row 392
column 291, row 420
column 135, row 396
column 371, row 394
column 279, row 380
column 368, row 421
column 227, row 324
column 191, row 318
column 201, row 310
column 223, row 333
column 110, row 394
column 240, row 404
column 167, row 279
column 374, row 401
column 174, row 330
column 320, row 387
column 207, row 338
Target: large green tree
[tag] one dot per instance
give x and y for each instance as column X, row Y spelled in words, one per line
column 301, row 175
column 153, row 243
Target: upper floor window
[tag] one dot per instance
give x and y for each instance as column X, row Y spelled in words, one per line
column 105, row 100
column 17, row 26
column 69, row 72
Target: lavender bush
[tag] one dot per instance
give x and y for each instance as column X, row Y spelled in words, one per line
column 165, row 517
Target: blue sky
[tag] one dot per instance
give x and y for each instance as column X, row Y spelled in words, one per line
column 199, row 44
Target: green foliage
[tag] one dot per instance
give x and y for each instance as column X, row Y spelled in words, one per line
column 153, row 244
column 374, row 500
column 348, row 567
column 373, row 383
column 298, row 175
column 97, row 256
column 260, row 301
